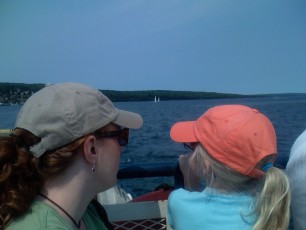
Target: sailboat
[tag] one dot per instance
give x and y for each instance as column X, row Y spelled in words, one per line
column 156, row 99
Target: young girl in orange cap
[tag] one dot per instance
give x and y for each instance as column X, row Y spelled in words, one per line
column 233, row 150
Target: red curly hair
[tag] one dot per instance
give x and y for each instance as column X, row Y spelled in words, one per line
column 22, row 175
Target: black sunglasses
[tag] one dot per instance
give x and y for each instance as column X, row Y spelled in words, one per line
column 190, row 146
column 121, row 135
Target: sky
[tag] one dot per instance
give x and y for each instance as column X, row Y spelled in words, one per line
column 225, row 46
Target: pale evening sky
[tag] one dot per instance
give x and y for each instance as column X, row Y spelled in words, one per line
column 231, row 46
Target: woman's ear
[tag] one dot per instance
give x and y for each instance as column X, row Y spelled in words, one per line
column 89, row 149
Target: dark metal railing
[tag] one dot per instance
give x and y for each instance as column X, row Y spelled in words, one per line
column 160, row 169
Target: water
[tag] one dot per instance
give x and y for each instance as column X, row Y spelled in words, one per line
column 152, row 143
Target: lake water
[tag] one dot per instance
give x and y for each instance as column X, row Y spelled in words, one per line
column 152, row 143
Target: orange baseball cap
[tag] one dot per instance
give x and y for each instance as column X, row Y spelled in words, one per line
column 235, row 135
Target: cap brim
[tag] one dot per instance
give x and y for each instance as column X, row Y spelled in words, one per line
column 183, row 132
column 128, row 119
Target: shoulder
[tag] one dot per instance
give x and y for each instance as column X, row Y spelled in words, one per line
column 182, row 197
column 178, row 193
column 93, row 217
column 40, row 216
column 208, row 195
column 183, row 192
column 297, row 156
column 295, row 170
column 299, row 147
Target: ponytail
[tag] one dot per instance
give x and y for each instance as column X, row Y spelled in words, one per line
column 273, row 202
column 22, row 175
column 19, row 180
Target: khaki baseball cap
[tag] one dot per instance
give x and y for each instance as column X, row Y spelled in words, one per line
column 235, row 135
column 61, row 113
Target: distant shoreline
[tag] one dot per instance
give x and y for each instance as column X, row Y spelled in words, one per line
column 17, row 94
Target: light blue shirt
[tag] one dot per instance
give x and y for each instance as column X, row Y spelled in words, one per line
column 210, row 210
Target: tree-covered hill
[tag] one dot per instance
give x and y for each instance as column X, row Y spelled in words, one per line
column 17, row 93
column 164, row 95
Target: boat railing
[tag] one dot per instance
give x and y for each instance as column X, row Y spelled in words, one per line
column 158, row 169
column 138, row 215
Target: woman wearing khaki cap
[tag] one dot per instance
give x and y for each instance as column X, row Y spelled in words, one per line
column 65, row 149
column 233, row 150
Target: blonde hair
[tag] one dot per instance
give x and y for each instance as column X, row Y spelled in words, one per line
column 273, row 202
column 271, row 191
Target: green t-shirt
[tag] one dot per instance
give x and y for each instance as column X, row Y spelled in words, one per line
column 41, row 216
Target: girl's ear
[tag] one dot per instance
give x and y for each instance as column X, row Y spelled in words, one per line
column 89, row 149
